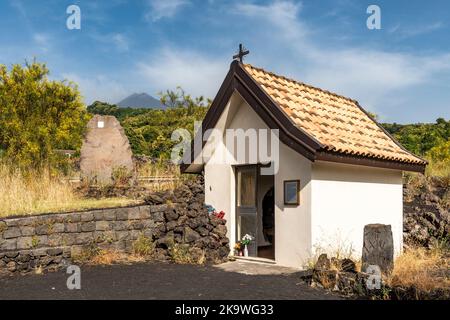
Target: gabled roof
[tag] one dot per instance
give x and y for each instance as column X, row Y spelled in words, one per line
column 337, row 122
column 318, row 124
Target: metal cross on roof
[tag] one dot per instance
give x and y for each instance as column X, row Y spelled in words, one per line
column 242, row 52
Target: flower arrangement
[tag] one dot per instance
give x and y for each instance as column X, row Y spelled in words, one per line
column 238, row 248
column 247, row 239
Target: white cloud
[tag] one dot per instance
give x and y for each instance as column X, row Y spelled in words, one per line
column 120, row 41
column 416, row 30
column 100, row 87
column 194, row 72
column 367, row 74
column 282, row 14
column 42, row 41
column 163, row 9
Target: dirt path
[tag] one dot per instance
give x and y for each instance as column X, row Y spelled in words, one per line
column 161, row 281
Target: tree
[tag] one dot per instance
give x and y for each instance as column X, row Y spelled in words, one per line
column 38, row 116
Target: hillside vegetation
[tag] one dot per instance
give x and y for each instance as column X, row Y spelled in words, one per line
column 149, row 131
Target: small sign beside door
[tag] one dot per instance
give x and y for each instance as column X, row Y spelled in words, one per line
column 292, row 192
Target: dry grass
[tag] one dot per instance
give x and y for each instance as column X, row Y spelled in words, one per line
column 30, row 193
column 423, row 269
column 168, row 173
column 108, row 257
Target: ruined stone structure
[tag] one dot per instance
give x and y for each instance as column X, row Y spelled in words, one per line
column 105, row 148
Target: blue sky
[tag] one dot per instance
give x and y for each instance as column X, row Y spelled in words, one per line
column 401, row 72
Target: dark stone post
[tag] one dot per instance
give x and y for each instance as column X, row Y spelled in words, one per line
column 378, row 247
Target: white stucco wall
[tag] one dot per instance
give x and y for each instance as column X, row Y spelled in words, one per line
column 292, row 223
column 345, row 198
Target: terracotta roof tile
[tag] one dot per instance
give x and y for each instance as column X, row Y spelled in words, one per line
column 335, row 121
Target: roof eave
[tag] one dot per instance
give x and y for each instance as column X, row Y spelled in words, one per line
column 370, row 162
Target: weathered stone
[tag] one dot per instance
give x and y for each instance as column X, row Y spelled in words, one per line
column 145, row 212
column 167, row 241
column 327, row 278
column 73, row 217
column 24, row 256
column 11, row 266
column 190, row 235
column 27, row 230
column 120, row 225
column 133, row 213
column 136, row 225
column 347, row 265
column 148, row 223
column 158, row 216
column 220, row 230
column 87, row 216
column 215, row 221
column 196, row 222
column 159, row 208
column 105, row 149
column 122, row 235
column 3, row 227
column 84, row 237
column 102, row 225
column 378, row 247
column 69, row 239
column 39, row 252
column 171, row 225
column 73, row 227
column 42, row 229
column 134, row 234
column 36, row 241
column 12, row 222
column 213, row 243
column 171, row 214
column 7, row 245
column 112, row 214
column 224, row 251
column 153, row 199
column 98, row 215
column 24, row 243
column 55, row 239
column 88, row 226
column 323, row 263
column 178, row 238
column 54, row 251
column 122, row 214
column 58, row 228
column 12, row 254
column 11, row 232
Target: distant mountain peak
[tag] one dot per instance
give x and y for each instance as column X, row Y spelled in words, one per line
column 140, row 100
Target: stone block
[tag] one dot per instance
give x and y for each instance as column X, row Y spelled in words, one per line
column 102, row 226
column 88, row 226
column 110, row 214
column 378, row 247
column 27, row 230
column 122, row 214
column 87, row 216
column 11, row 232
column 134, row 213
column 98, row 215
column 72, row 227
